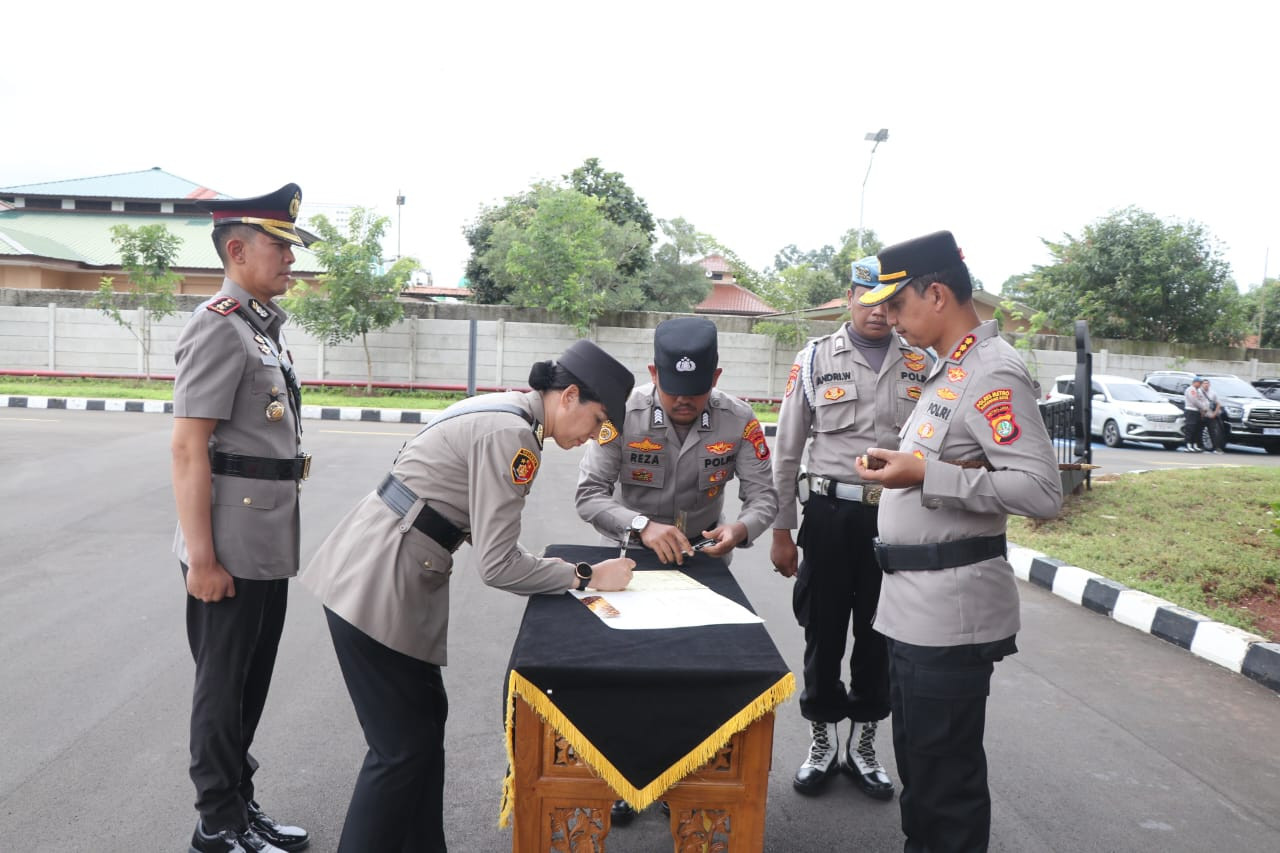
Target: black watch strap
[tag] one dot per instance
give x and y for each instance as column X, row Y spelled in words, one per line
column 583, row 572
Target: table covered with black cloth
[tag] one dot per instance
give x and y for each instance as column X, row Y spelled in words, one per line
column 643, row 708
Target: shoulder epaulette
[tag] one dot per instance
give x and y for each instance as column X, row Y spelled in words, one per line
column 225, row 306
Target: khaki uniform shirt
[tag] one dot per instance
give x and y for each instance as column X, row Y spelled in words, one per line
column 834, row 396
column 230, row 367
column 661, row 477
column 390, row 580
column 978, row 402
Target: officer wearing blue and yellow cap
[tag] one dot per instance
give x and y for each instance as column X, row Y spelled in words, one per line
column 847, row 391
column 237, row 471
column 948, row 600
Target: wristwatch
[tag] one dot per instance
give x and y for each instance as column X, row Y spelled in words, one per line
column 639, row 523
column 583, row 572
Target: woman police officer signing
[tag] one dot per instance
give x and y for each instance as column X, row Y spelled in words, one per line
column 383, row 576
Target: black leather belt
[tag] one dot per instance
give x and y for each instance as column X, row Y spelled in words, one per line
column 400, row 498
column 938, row 555
column 259, row 467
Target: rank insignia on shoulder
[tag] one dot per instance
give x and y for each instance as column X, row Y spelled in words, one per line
column 608, row 432
column 224, row 306
column 963, row 347
column 524, row 465
column 259, row 309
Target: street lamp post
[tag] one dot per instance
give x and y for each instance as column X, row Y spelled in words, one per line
column 399, row 216
column 879, row 136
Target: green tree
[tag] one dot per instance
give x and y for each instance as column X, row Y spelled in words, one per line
column 357, row 293
column 485, row 288
column 565, row 257
column 1136, row 277
column 793, row 290
column 675, row 281
column 147, row 254
column 619, row 204
column 1263, row 306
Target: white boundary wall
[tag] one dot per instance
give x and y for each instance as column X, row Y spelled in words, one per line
column 434, row 350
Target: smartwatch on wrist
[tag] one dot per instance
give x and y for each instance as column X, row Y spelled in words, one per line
column 583, row 573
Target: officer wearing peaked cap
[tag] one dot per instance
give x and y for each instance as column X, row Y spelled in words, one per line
column 948, row 601
column 847, row 391
column 657, row 475
column 383, row 576
column 237, row 472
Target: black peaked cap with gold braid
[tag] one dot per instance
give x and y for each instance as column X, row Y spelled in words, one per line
column 903, row 261
column 274, row 214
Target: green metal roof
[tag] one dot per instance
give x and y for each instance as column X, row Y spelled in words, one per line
column 85, row 238
column 152, row 184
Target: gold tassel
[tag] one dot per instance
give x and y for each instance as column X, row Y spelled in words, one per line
column 509, row 781
column 587, row 752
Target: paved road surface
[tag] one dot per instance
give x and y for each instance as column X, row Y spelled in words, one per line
column 1100, row 738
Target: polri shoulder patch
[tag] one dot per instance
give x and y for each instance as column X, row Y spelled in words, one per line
column 224, row 306
column 524, row 466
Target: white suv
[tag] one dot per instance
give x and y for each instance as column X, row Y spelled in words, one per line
column 1125, row 409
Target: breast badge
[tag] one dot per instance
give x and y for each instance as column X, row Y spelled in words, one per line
column 956, row 374
column 914, row 392
column 275, row 410
column 644, row 445
column 833, row 393
column 713, row 491
column 913, row 361
column 639, row 475
column 947, row 394
column 524, row 465
column 719, row 448
column 925, row 430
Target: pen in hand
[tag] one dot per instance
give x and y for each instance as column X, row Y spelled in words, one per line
column 626, row 539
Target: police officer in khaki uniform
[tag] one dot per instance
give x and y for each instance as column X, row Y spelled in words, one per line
column 681, row 443
column 949, row 601
column 237, row 471
column 383, row 576
column 848, row 391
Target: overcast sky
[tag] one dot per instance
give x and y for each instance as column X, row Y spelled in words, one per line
column 1007, row 122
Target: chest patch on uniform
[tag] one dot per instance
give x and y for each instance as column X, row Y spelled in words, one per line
column 913, row 361
column 963, row 347
column 833, row 393
column 223, row 306
column 719, row 448
column 956, row 374
column 713, row 491
column 997, row 407
column 524, row 465
column 608, row 432
column 925, row 430
column 914, row 392
column 754, row 434
column 644, row 445
column 947, row 394
column 717, row 476
column 640, row 475
column 919, row 454
column 791, row 380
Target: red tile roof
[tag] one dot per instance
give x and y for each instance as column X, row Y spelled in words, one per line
column 731, row 298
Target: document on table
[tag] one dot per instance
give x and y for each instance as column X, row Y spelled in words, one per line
column 664, row 599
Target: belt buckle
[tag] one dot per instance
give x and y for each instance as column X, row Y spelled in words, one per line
column 821, row 485
column 306, row 465
column 871, row 495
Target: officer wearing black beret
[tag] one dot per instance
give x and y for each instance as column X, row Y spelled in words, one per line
column 383, row 575
column 237, row 471
column 948, row 599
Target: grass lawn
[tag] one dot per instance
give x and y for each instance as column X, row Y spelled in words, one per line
column 1205, row 539
column 311, row 395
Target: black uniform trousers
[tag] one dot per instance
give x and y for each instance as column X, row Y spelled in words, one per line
column 838, row 579
column 939, row 697
column 398, row 802
column 1193, row 425
column 233, row 643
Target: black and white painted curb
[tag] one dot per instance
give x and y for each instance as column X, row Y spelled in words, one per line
column 1233, row 648
column 1237, row 650
column 323, row 413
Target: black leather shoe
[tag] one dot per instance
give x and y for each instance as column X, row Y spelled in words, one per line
column 622, row 813
column 284, row 837
column 229, row 841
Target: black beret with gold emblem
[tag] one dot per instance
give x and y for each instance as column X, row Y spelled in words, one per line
column 273, row 214
column 903, row 261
